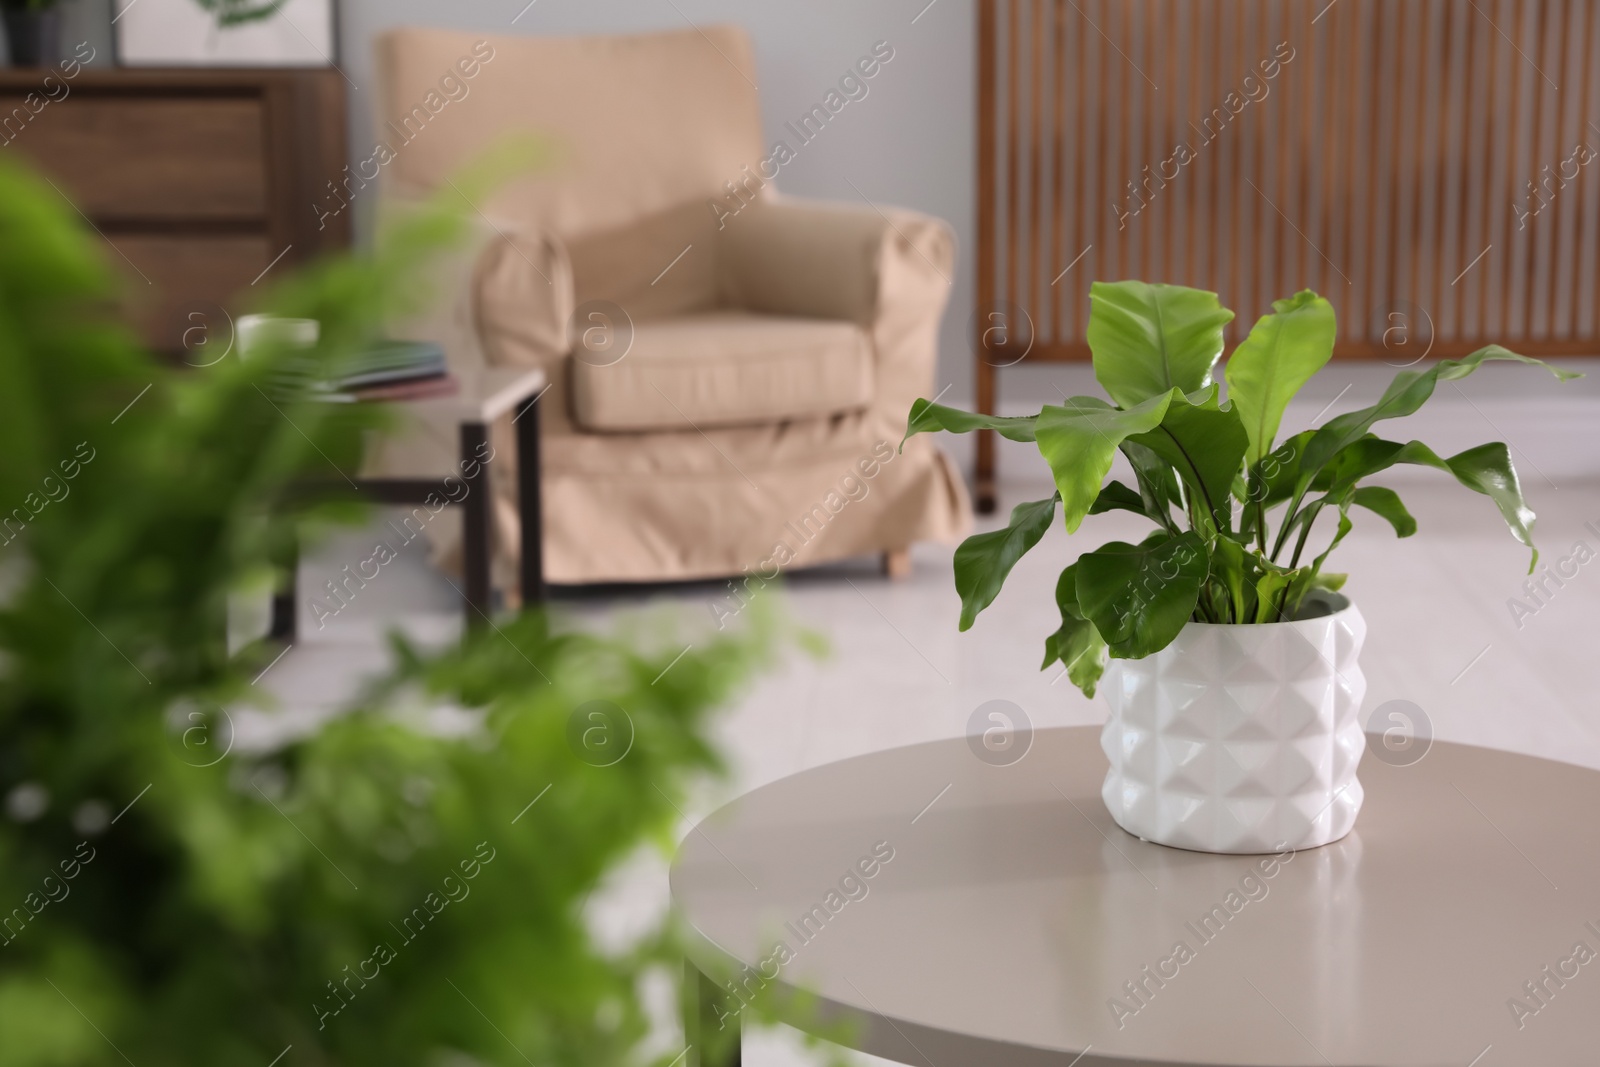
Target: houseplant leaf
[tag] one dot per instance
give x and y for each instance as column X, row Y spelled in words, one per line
column 1080, row 441
column 983, row 560
column 1272, row 593
column 1158, row 485
column 927, row 416
column 1304, row 584
column 1115, row 496
column 1270, row 482
column 1149, row 339
column 1233, row 569
column 1077, row 645
column 1268, row 368
column 1279, row 471
column 1386, row 503
column 1204, row 443
column 1485, row 469
column 1408, row 392
column 1140, row 596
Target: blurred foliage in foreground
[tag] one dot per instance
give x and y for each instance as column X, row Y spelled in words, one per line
column 370, row 894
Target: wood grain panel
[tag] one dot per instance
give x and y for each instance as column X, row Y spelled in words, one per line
column 164, row 159
column 174, row 283
column 198, row 179
column 1409, row 161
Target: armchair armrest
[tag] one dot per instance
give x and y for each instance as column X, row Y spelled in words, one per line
column 504, row 297
column 523, row 300
column 833, row 261
column 889, row 272
column 501, row 297
column 445, row 313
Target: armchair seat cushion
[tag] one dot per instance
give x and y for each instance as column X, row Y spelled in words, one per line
column 725, row 368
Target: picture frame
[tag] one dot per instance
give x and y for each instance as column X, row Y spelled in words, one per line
column 179, row 33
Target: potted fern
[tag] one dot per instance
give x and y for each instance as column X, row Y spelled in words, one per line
column 360, row 892
column 1228, row 655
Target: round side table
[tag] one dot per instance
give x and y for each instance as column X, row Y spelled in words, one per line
column 952, row 912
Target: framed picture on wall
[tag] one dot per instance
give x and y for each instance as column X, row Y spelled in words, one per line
column 226, row 33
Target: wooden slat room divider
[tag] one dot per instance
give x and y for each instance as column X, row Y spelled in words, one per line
column 1431, row 166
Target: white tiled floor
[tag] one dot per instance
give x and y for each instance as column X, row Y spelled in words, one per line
column 1441, row 632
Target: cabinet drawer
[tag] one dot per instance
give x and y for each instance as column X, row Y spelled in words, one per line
column 149, row 158
column 189, row 279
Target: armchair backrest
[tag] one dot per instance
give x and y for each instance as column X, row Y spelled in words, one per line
column 642, row 123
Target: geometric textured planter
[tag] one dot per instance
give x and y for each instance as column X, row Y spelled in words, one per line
column 1239, row 738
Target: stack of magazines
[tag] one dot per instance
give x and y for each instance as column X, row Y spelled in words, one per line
column 396, row 370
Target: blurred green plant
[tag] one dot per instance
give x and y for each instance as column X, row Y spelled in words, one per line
column 372, row 893
column 238, row 12
column 1208, row 472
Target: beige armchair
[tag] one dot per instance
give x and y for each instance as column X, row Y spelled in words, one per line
column 730, row 370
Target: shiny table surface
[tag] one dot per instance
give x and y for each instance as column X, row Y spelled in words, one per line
column 485, row 394
column 1007, row 920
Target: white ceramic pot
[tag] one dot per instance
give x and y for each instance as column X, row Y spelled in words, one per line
column 1239, row 738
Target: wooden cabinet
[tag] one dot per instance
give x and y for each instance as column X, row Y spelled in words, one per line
column 198, row 180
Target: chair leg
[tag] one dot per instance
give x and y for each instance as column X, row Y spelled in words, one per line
column 984, row 498
column 284, row 600
column 897, row 563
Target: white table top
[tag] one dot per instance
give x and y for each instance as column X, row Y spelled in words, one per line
column 485, row 394
column 1013, row 923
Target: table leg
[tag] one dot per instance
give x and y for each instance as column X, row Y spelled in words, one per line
column 284, row 600
column 477, row 546
column 711, row 1022
column 529, row 503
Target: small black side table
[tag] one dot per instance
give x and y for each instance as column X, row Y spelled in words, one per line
column 483, row 397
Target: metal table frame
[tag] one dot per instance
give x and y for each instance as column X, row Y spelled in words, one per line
column 476, row 505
